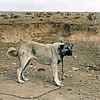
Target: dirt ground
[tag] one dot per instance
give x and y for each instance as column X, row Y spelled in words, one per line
column 81, row 72
column 82, row 76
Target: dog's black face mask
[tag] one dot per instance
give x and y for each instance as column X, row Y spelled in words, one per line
column 66, row 49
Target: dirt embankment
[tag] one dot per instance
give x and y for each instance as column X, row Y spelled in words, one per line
column 49, row 26
column 54, row 31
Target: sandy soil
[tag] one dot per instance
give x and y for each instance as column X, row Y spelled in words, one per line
column 82, row 76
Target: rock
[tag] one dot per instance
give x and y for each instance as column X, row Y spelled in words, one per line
column 75, row 68
column 41, row 69
column 45, row 80
column 74, row 57
column 98, row 77
column 89, row 75
column 91, row 67
column 14, row 63
column 69, row 89
column 60, row 92
column 3, row 72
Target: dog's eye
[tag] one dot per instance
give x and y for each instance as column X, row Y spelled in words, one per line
column 66, row 47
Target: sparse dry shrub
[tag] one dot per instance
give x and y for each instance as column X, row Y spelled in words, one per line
column 76, row 17
column 11, row 22
column 90, row 16
column 41, row 19
column 40, row 14
column 58, row 12
column 68, row 14
column 32, row 17
column 4, row 16
column 28, row 13
column 50, row 13
column 65, row 17
column 12, row 15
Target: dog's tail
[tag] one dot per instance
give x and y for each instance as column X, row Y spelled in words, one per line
column 12, row 52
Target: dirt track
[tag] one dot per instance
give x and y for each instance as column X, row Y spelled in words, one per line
column 82, row 73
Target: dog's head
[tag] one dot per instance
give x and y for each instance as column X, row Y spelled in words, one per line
column 66, row 49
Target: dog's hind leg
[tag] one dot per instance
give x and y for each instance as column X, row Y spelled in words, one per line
column 23, row 60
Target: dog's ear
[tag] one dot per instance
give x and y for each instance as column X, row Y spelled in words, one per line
column 61, row 46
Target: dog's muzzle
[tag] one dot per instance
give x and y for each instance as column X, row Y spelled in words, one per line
column 68, row 53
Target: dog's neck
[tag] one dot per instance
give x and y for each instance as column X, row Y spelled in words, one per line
column 60, row 59
column 58, row 51
column 60, row 55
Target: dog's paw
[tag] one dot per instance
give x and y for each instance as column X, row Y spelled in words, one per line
column 26, row 79
column 20, row 81
column 60, row 84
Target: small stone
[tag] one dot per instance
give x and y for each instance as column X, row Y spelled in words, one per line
column 98, row 77
column 41, row 69
column 65, row 75
column 75, row 68
column 92, row 71
column 31, row 66
column 46, row 85
column 69, row 89
column 88, row 68
column 74, row 57
column 89, row 75
column 60, row 93
column 84, row 61
column 70, row 71
column 2, row 72
column 45, row 80
column 31, row 97
column 14, row 63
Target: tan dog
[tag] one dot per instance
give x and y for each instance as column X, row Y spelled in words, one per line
column 48, row 54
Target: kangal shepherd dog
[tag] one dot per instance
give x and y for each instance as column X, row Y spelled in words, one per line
column 48, row 54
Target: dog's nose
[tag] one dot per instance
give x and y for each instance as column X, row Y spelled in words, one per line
column 68, row 53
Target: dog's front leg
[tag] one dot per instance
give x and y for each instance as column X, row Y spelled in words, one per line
column 55, row 75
